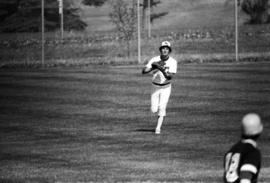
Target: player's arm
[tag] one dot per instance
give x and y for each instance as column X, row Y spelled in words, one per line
column 245, row 181
column 146, row 70
column 159, row 66
column 149, row 67
column 250, row 167
column 246, row 173
column 167, row 75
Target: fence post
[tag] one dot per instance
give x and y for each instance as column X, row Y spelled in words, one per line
column 42, row 32
column 139, row 31
column 236, row 29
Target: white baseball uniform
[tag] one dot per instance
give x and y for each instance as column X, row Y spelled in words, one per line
column 161, row 89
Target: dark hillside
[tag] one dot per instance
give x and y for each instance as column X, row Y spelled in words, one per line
column 182, row 14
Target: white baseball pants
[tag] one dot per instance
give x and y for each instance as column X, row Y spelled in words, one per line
column 159, row 98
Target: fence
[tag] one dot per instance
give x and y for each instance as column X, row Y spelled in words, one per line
column 198, row 35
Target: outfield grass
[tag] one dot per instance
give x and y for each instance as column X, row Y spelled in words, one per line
column 94, row 124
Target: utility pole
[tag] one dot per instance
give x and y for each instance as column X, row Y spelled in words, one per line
column 236, row 29
column 149, row 18
column 42, row 32
column 61, row 13
column 139, row 31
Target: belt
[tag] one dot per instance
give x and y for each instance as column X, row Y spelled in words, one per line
column 163, row 84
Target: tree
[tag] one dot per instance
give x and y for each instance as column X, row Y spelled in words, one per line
column 25, row 16
column 257, row 10
column 124, row 17
column 94, row 2
column 153, row 16
column 7, row 7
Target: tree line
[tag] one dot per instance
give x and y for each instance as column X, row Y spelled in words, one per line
column 25, row 15
column 256, row 9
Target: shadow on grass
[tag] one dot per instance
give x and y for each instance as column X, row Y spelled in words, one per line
column 145, row 130
column 32, row 180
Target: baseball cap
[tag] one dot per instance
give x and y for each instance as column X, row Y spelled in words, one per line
column 165, row 44
column 251, row 124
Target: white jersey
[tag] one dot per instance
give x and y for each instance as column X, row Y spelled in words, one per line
column 170, row 66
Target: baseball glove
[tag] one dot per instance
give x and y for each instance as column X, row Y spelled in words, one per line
column 158, row 65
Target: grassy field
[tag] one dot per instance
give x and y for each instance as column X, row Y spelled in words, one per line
column 94, row 123
column 204, row 44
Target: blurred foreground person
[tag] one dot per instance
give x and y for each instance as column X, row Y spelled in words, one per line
column 242, row 163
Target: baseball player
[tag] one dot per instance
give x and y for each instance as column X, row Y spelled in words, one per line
column 163, row 67
column 242, row 162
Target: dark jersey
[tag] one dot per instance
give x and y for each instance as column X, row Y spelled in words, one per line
column 243, row 157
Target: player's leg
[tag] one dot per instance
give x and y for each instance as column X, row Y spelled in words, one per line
column 155, row 95
column 164, row 98
column 159, row 124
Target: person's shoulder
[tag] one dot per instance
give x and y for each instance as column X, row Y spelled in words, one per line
column 153, row 59
column 252, row 155
column 236, row 146
column 172, row 59
column 251, row 149
column 156, row 58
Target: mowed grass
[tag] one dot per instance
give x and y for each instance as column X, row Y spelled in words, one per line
column 94, row 124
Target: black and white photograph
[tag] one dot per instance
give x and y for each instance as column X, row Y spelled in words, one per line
column 134, row 91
